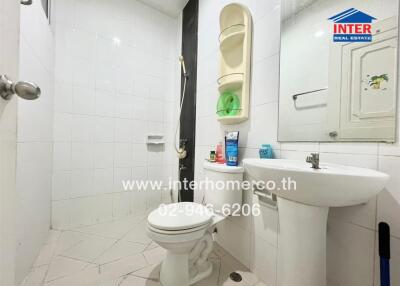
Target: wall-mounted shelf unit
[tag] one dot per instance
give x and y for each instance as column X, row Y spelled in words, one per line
column 235, row 63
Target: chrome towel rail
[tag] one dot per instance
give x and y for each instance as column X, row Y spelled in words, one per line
column 295, row 96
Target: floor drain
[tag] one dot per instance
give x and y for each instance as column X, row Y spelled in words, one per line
column 236, row 277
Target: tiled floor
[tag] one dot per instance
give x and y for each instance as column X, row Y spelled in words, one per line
column 117, row 254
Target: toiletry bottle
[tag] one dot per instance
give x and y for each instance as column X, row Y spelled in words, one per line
column 266, row 151
column 213, row 157
column 220, row 154
column 232, row 148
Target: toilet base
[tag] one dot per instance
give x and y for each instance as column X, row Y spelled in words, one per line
column 186, row 260
column 175, row 270
column 202, row 275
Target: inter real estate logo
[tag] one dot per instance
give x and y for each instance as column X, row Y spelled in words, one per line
column 352, row 25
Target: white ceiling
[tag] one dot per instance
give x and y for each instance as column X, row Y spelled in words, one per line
column 169, row 7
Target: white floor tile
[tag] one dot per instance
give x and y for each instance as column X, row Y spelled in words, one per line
column 229, row 264
column 114, row 229
column 124, row 266
column 64, row 266
column 138, row 234
column 119, row 250
column 53, row 237
column 69, row 239
column 89, row 249
column 150, row 272
column 226, row 281
column 36, row 276
column 45, row 255
column 137, row 281
column 151, row 245
column 89, row 276
column 108, row 282
column 154, row 256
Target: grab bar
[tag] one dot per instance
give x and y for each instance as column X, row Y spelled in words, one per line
column 295, row 96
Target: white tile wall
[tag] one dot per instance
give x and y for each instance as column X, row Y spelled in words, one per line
column 35, row 135
column 115, row 69
column 351, row 235
column 350, row 251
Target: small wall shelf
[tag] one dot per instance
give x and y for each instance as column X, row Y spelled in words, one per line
column 230, row 82
column 232, row 37
column 235, row 60
column 155, row 139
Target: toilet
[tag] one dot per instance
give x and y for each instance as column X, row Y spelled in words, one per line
column 185, row 229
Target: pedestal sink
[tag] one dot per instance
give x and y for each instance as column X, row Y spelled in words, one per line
column 303, row 212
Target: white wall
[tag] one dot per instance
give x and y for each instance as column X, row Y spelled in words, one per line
column 35, row 135
column 352, row 251
column 116, row 64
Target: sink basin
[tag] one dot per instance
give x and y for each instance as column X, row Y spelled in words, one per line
column 332, row 185
column 303, row 210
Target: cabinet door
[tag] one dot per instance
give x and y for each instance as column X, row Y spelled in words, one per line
column 366, row 82
column 369, row 89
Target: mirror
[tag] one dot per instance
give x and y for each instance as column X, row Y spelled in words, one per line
column 338, row 70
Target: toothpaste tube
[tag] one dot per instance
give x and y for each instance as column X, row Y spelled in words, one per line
column 232, row 148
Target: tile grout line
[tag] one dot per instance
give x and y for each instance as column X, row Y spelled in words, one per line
column 43, row 282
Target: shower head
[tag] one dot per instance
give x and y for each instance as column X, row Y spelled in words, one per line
column 182, row 61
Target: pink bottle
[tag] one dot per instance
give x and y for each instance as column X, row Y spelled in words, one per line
column 220, row 154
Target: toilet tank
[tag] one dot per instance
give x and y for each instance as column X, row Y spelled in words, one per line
column 222, row 187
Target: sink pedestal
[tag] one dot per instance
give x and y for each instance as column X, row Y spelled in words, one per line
column 302, row 244
column 303, row 211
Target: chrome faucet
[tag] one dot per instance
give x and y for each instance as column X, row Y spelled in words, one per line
column 313, row 159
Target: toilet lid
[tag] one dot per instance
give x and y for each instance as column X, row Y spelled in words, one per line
column 179, row 216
